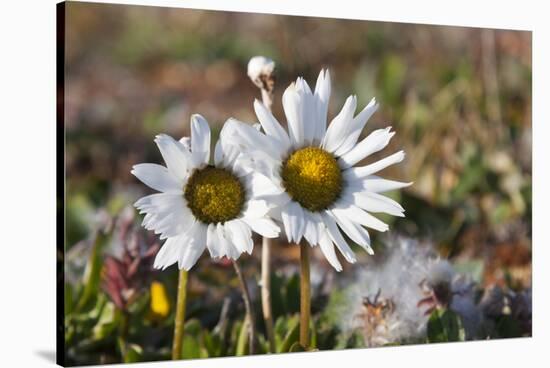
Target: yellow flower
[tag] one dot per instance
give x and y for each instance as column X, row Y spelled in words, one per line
column 160, row 305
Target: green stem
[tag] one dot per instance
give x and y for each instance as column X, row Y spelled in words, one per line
column 305, row 295
column 180, row 315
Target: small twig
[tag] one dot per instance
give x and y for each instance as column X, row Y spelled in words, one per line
column 248, row 308
column 221, row 326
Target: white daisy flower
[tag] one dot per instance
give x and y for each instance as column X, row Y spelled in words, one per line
column 201, row 205
column 322, row 193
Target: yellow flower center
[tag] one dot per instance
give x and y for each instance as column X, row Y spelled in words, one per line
column 214, row 195
column 312, row 177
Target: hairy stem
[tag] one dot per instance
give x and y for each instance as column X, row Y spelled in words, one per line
column 267, row 99
column 248, row 308
column 305, row 295
column 180, row 315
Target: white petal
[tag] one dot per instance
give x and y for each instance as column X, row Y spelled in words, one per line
column 229, row 156
column 356, row 126
column 255, row 208
column 270, row 125
column 245, row 137
column 226, row 150
column 384, row 199
column 213, row 243
column 255, row 160
column 328, row 250
column 263, row 226
column 322, row 96
column 339, row 127
column 359, row 216
column 158, row 177
column 156, row 202
column 312, row 221
column 196, row 243
column 259, row 185
column 168, row 254
column 364, row 171
column 169, row 225
column 186, row 143
column 376, row 203
column 293, row 107
column 243, row 165
column 293, row 221
column 376, row 184
column 240, row 234
column 200, row 139
column 276, row 200
column 285, row 218
column 374, row 142
column 309, row 110
column 177, row 159
column 354, row 231
column 218, row 154
column 174, row 247
column 261, row 153
column 167, row 214
column 337, row 238
column 229, row 250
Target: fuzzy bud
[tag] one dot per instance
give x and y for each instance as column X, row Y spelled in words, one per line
column 260, row 71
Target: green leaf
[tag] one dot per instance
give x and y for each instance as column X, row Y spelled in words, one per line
column 312, row 334
column 292, row 297
column 296, row 347
column 107, row 321
column 212, row 343
column 242, row 341
column 445, row 325
column 92, row 272
column 292, row 335
column 277, row 297
column 95, row 312
column 190, row 348
column 233, row 338
column 263, row 344
column 133, row 354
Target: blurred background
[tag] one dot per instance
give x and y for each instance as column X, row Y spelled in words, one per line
column 458, row 98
